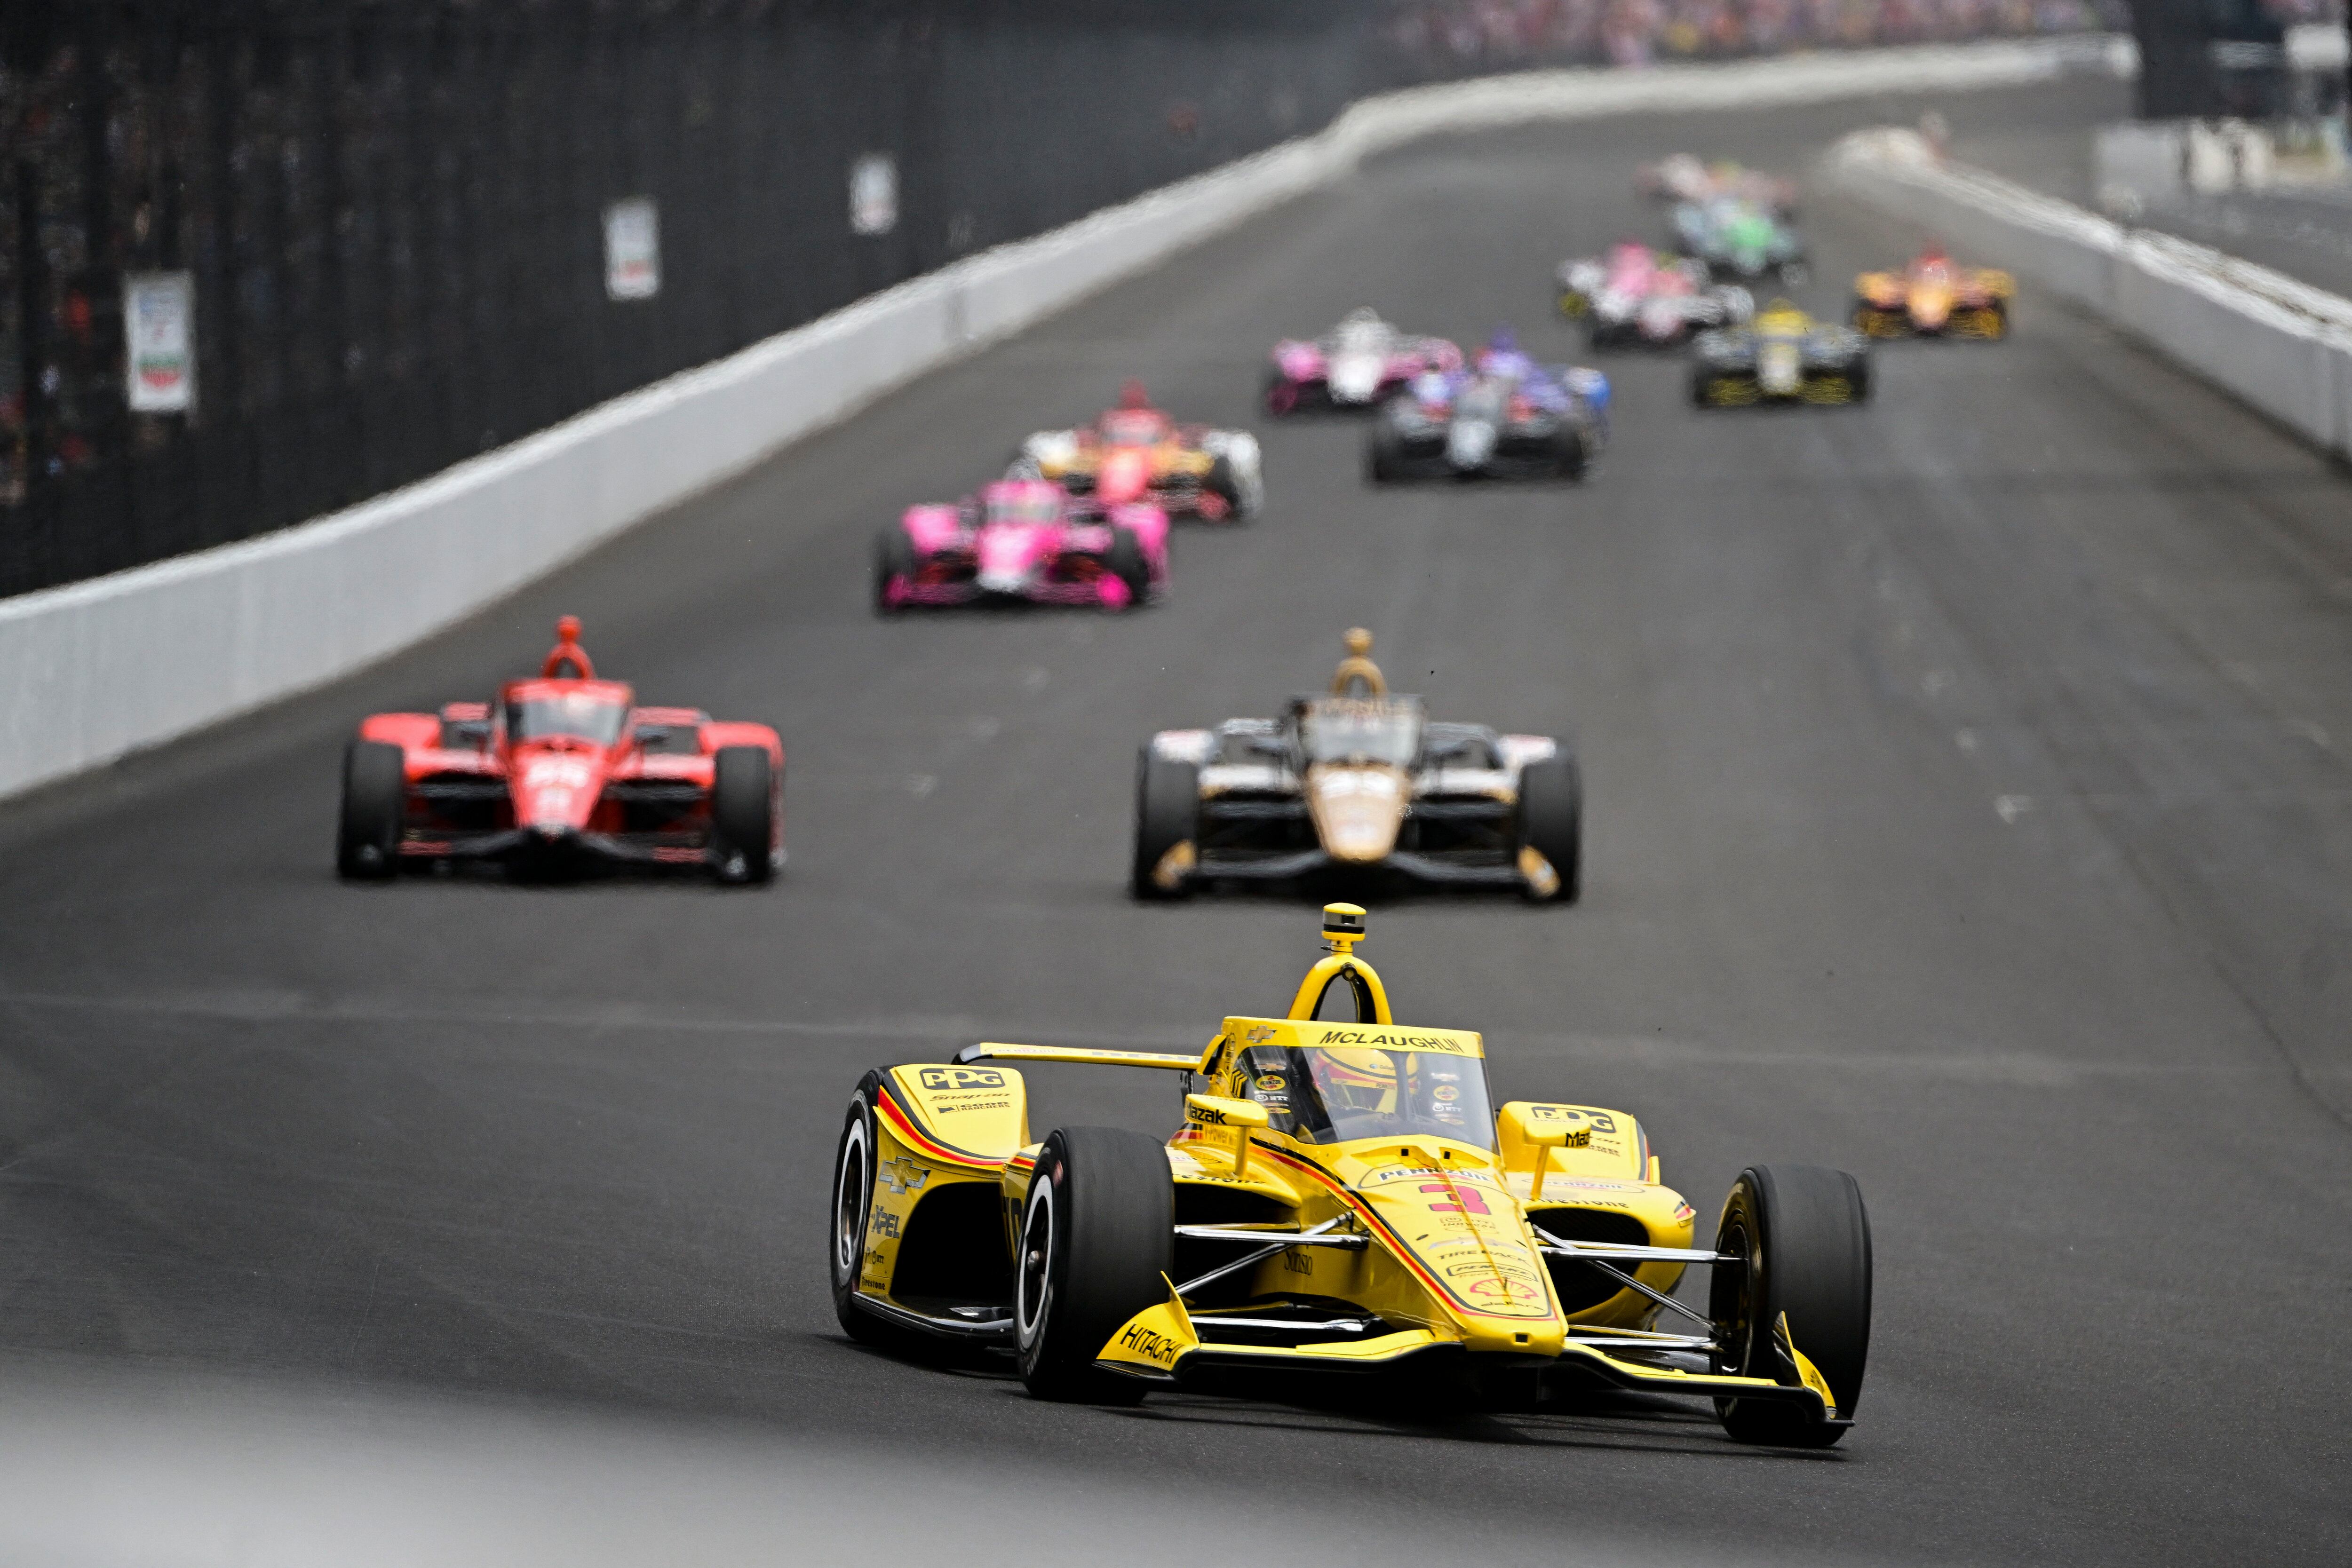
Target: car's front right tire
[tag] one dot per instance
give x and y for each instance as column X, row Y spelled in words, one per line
column 1098, row 1242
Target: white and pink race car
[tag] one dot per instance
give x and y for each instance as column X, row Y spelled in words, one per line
column 1023, row 539
column 1634, row 297
column 1354, row 365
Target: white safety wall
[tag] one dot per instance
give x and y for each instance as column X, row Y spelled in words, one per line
column 94, row 670
column 2278, row 344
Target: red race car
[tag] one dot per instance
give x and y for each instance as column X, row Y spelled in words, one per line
column 562, row 773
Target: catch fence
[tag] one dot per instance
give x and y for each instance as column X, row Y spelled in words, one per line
column 263, row 258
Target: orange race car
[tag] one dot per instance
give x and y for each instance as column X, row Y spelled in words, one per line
column 1135, row 452
column 1933, row 298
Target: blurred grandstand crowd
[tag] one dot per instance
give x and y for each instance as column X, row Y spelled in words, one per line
column 1638, row 32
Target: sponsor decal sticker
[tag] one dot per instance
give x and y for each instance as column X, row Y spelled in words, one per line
column 961, row 1078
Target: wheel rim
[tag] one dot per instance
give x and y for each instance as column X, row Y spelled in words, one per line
column 1035, row 1286
column 849, row 1197
column 1734, row 1310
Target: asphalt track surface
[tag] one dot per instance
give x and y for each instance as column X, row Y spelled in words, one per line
column 1968, row 807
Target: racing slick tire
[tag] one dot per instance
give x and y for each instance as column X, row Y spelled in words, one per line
column 743, row 812
column 375, row 810
column 1220, row 481
column 1570, row 455
column 1282, row 395
column 894, row 556
column 1126, row 561
column 1097, row 1242
column 1804, row 1240
column 1857, row 381
column 1551, row 823
column 1167, row 813
column 853, row 1205
column 1384, row 454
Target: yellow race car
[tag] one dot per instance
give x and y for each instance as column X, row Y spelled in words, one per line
column 1341, row 1199
column 1782, row 356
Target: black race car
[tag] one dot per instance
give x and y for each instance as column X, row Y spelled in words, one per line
column 1359, row 783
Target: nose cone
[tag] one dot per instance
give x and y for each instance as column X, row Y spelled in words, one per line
column 1355, row 377
column 1123, row 474
column 1460, row 1237
column 555, row 792
column 1930, row 308
column 1008, row 556
column 1356, row 812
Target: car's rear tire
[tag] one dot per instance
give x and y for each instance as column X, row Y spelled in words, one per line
column 1804, row 1239
column 1125, row 560
column 1857, row 381
column 1167, row 813
column 894, row 558
column 375, row 811
column 1384, row 454
column 1551, row 821
column 1098, row 1240
column 745, row 805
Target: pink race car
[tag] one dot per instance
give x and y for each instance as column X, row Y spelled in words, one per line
column 1024, row 539
column 1631, row 297
column 1354, row 365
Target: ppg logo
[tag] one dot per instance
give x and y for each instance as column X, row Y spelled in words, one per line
column 961, row 1078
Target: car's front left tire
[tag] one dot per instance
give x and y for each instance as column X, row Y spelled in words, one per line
column 375, row 811
column 1167, row 813
column 744, row 809
column 1802, row 1239
column 1098, row 1242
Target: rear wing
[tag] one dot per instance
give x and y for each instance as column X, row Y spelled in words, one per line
column 998, row 1050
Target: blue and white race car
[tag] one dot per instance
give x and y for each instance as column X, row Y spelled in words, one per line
column 1504, row 416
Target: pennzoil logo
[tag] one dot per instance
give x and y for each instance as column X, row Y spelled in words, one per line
column 903, row 1174
column 939, row 1078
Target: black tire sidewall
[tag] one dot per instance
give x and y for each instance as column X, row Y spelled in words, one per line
column 1103, row 1203
column 1551, row 820
column 1125, row 560
column 858, row 1127
column 1806, row 1236
column 374, row 810
column 744, row 786
column 1167, row 812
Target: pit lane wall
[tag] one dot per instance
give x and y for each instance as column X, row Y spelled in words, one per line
column 2279, row 345
column 95, row 670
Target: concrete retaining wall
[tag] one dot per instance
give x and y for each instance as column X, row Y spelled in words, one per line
column 94, row 670
column 2275, row 342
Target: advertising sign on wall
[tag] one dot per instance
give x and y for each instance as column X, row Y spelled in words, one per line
column 633, row 249
column 159, row 333
column 874, row 195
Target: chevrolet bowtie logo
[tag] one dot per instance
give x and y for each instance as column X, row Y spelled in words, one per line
column 904, row 1174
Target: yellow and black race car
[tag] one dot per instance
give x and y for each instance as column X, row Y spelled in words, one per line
column 1782, row 356
column 1341, row 1199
